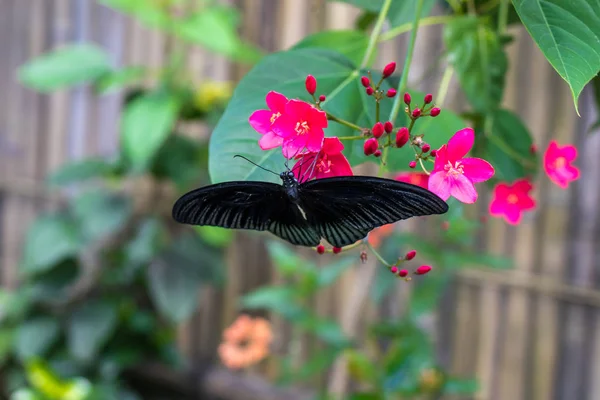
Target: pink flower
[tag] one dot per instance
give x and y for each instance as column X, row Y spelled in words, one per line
column 510, row 201
column 301, row 127
column 262, row 120
column 329, row 162
column 415, row 178
column 557, row 164
column 454, row 175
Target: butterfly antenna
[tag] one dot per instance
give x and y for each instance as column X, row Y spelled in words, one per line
column 253, row 163
column 314, row 163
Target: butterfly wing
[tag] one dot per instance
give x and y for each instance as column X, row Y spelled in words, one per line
column 246, row 205
column 345, row 209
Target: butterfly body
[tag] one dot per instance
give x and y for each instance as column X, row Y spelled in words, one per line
column 342, row 210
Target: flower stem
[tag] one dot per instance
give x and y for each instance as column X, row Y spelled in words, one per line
column 400, row 29
column 502, row 17
column 377, row 255
column 374, row 39
column 350, row 137
column 376, row 110
column 444, row 84
column 343, row 122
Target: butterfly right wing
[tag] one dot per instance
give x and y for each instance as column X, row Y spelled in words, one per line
column 246, row 205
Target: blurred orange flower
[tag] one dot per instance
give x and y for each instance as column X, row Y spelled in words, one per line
column 245, row 342
column 378, row 234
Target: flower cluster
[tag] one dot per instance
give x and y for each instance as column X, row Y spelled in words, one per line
column 245, row 342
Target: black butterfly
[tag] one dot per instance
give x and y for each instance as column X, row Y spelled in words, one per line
column 342, row 210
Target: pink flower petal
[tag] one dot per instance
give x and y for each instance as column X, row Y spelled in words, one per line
column 460, row 144
column 439, row 185
column 441, row 158
column 569, row 152
column 285, row 126
column 297, row 109
column 512, row 215
column 302, row 169
column 477, row 170
column 522, row 185
column 497, row 206
column 332, row 145
column 292, row 147
column 269, row 141
column 276, row 102
column 260, row 120
column 526, row 203
column 340, row 165
column 314, row 140
column 462, row 189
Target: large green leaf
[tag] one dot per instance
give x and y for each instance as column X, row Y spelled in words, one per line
column 351, row 44
column 146, row 124
column 568, row 33
column 80, row 170
column 101, row 213
column 150, row 13
column 66, row 66
column 479, row 59
column 508, row 147
column 279, row 299
column 89, row 327
column 51, row 239
column 35, row 336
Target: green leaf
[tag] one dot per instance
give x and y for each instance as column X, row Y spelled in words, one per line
column 35, row 336
column 328, row 274
column 216, row 29
column 147, row 242
column 508, row 147
column 426, row 295
column 215, row 236
column 146, row 124
column 6, row 343
column 50, row 286
column 479, row 59
column 288, row 262
column 352, row 44
column 279, row 299
column 50, row 240
column 67, row 66
column 457, row 386
column 101, row 213
column 174, row 289
column 115, row 80
column 89, row 328
column 182, row 160
column 151, row 13
column 80, row 171
column 234, row 135
column 568, row 33
column 361, row 368
column 400, row 12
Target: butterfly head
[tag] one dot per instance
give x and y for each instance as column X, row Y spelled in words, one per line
column 288, row 178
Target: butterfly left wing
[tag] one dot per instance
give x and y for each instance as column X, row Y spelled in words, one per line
column 345, row 209
column 246, row 205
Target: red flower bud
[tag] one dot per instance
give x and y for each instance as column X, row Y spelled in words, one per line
column 377, row 153
column 435, row 111
column 320, row 249
column 389, row 69
column 412, row 164
column 377, row 130
column 410, row 255
column 402, row 137
column 407, row 98
column 433, row 153
column 370, row 146
column 388, row 126
column 391, row 92
column 402, row 273
column 363, row 256
column 423, row 269
column 311, row 84
column 428, row 98
column 365, row 81
column 533, row 149
column 394, row 269
column 369, row 91
column 416, row 113
column 322, row 98
column 426, row 147
column 337, row 250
